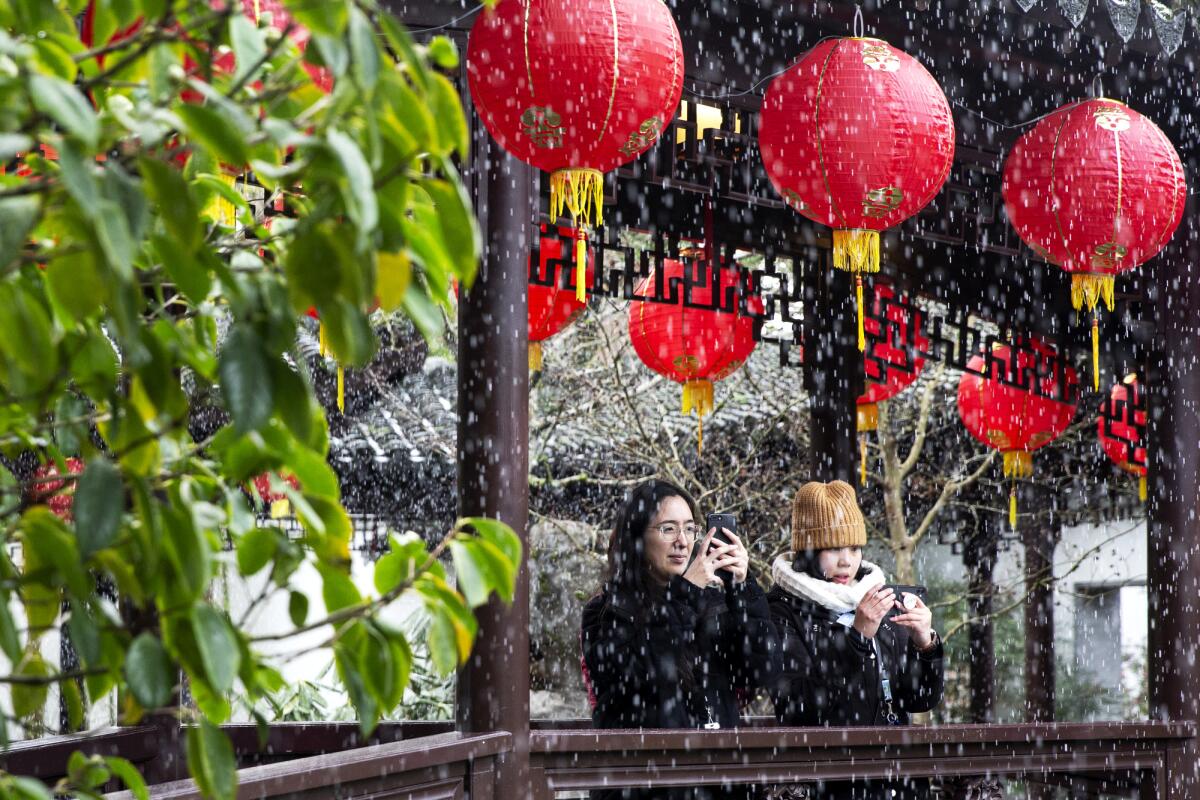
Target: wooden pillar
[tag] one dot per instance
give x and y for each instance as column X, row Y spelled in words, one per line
column 832, row 375
column 1173, row 383
column 493, row 442
column 979, row 558
column 1040, row 538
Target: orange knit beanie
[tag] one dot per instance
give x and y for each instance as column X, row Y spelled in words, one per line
column 826, row 515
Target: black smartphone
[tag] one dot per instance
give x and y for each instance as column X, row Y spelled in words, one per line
column 901, row 590
column 728, row 522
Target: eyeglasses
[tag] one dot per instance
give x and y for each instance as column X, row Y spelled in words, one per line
column 670, row 530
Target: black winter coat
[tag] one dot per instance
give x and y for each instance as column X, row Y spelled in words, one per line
column 831, row 677
column 677, row 663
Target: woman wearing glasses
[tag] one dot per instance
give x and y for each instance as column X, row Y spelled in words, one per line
column 670, row 642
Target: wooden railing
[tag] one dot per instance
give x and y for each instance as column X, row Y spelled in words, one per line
column 1131, row 759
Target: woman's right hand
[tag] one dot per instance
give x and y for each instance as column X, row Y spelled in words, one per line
column 703, row 569
column 872, row 609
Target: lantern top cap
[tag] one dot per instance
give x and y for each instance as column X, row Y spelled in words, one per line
column 865, row 39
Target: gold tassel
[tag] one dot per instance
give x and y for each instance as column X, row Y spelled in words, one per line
column 280, row 509
column 322, row 342
column 341, row 372
column 1142, row 488
column 1087, row 290
column 581, row 265
column 1012, row 507
column 862, row 331
column 868, row 417
column 698, row 397
column 535, row 356
column 700, row 437
column 856, row 250
column 1018, row 464
column 221, row 210
column 862, row 460
column 1095, row 352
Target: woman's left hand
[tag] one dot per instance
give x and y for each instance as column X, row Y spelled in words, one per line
column 733, row 556
column 918, row 620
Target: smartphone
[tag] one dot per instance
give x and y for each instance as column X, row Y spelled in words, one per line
column 728, row 522
column 901, row 590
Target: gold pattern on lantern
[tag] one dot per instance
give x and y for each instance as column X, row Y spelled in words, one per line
column 1111, row 118
column 797, row 202
column 643, row 137
column 1043, row 254
column 688, row 363
column 543, row 126
column 879, row 56
column 881, row 202
column 999, row 439
column 1108, row 256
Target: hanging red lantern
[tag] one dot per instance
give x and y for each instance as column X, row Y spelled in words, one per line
column 275, row 501
column 856, row 135
column 1121, row 426
column 1012, row 420
column 891, row 364
column 553, row 308
column 57, row 493
column 576, row 89
column 693, row 346
column 1097, row 189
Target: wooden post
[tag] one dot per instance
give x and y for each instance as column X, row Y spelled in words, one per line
column 979, row 558
column 832, row 376
column 493, row 443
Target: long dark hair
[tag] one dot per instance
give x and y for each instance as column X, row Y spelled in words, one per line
column 808, row 563
column 627, row 573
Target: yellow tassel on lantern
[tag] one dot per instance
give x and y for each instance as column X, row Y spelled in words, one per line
column 856, row 250
column 868, row 417
column 1095, row 353
column 1142, row 488
column 581, row 193
column 858, row 298
column 1018, row 464
column 1012, row 507
column 280, row 509
column 219, row 209
column 1088, row 290
column 535, row 356
column 862, row 459
column 341, row 389
column 322, row 343
column 698, row 397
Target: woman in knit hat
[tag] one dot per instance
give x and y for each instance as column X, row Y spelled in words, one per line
column 844, row 661
column 667, row 643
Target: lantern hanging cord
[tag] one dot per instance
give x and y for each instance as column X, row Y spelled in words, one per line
column 859, row 26
column 445, row 25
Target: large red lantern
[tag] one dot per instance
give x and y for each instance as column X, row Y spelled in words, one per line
column 1097, row 189
column 891, row 365
column 856, row 135
column 276, row 501
column 1121, row 426
column 576, row 89
column 552, row 308
column 1012, row 420
column 693, row 346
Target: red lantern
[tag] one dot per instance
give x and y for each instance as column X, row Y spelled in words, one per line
column 1017, row 421
column 57, row 493
column 1120, row 427
column 856, row 135
column 1097, row 189
column 891, row 365
column 552, row 308
column 693, row 346
column 275, row 501
column 576, row 89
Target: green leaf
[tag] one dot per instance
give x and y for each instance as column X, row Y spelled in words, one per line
column 51, row 549
column 29, row 699
column 99, row 504
column 176, row 207
column 358, row 189
column 10, row 640
column 424, row 314
column 459, row 231
column 129, row 775
column 149, row 673
column 443, row 52
column 255, row 550
column 211, row 761
column 63, row 103
column 400, row 565
column 72, row 698
column 471, row 580
column 360, row 698
column 364, row 52
column 85, row 636
column 322, row 16
column 215, row 132
column 298, row 608
column 448, row 111
column 246, row 379
column 17, row 218
column 218, row 646
column 440, row 639
column 248, row 46
column 337, row 589
column 77, row 284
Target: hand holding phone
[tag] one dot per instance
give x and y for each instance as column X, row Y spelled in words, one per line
column 725, row 524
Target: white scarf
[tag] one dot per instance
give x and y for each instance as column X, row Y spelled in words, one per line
column 837, row 597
